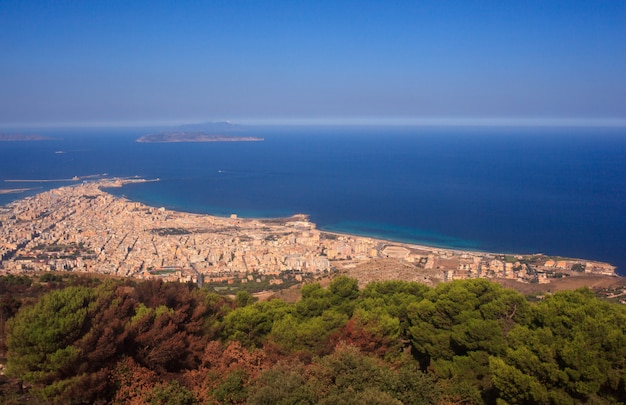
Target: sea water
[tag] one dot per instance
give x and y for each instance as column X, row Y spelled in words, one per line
column 557, row 191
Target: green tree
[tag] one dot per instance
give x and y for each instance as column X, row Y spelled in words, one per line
column 308, row 334
column 344, row 292
column 172, row 393
column 40, row 337
column 346, row 372
column 349, row 376
column 458, row 325
column 251, row 324
column 393, row 297
column 315, row 300
column 516, row 387
column 233, row 389
column 283, row 384
column 574, row 346
column 244, row 298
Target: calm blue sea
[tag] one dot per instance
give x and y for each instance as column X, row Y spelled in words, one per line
column 558, row 191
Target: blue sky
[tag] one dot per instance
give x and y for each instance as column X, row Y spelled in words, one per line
column 100, row 62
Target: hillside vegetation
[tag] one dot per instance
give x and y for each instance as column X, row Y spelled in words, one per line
column 86, row 340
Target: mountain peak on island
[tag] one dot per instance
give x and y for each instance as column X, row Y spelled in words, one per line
column 195, row 137
column 215, row 127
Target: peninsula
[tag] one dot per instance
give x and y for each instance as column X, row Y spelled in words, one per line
column 195, row 137
column 85, row 229
column 14, row 190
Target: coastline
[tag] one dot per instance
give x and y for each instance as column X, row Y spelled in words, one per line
column 430, row 247
column 96, row 231
column 470, row 247
column 422, row 202
column 391, row 242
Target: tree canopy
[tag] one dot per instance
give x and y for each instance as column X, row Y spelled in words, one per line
column 470, row 342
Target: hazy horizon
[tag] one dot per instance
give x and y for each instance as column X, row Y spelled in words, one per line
column 338, row 123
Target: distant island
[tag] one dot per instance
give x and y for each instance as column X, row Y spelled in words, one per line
column 22, row 137
column 195, row 137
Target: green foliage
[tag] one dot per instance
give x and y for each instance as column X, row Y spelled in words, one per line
column 283, row 384
column 343, row 294
column 53, row 391
column 310, row 324
column 348, row 370
column 141, row 312
column 11, row 279
column 9, row 306
column 315, row 300
column 50, row 277
column 244, row 298
column 346, row 376
column 251, row 324
column 41, row 337
column 378, row 322
column 233, row 390
column 309, row 334
column 574, row 347
column 457, row 326
column 459, row 317
column 371, row 396
column 516, row 387
column 468, row 342
column 413, row 386
column 172, row 394
column 393, row 297
column 68, row 343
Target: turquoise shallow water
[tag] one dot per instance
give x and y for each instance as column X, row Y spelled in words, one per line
column 555, row 191
column 401, row 234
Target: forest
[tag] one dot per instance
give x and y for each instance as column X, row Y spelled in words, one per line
column 80, row 340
